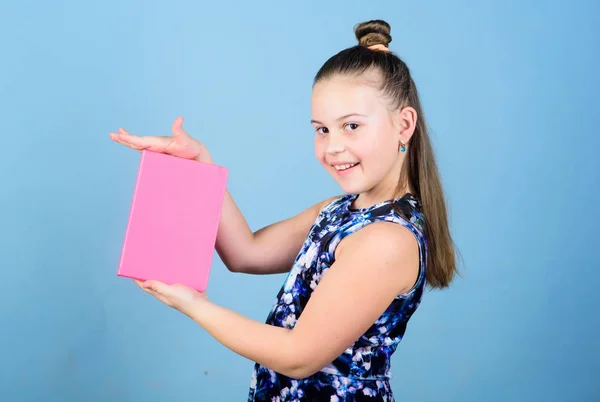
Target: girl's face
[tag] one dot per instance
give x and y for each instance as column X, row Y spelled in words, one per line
column 358, row 137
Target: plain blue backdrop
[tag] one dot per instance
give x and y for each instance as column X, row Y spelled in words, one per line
column 510, row 90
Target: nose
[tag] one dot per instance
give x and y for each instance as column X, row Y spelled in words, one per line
column 335, row 144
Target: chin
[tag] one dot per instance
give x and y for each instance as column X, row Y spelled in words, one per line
column 347, row 185
column 351, row 187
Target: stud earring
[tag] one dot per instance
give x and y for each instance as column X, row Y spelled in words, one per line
column 403, row 146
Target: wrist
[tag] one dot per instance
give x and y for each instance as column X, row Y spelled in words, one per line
column 200, row 310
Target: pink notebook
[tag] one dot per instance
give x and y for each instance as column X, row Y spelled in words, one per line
column 173, row 220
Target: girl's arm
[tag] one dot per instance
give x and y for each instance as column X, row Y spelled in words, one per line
column 269, row 250
column 372, row 267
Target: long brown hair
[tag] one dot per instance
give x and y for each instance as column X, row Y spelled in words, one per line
column 420, row 169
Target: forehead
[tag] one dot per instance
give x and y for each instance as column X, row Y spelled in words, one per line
column 340, row 95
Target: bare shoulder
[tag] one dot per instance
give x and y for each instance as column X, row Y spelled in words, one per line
column 312, row 212
column 383, row 247
column 383, row 235
column 308, row 216
column 326, row 202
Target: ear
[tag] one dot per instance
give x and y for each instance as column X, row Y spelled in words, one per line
column 406, row 122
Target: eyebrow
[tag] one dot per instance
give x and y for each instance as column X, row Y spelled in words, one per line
column 341, row 117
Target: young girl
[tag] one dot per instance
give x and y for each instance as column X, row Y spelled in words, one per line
column 358, row 263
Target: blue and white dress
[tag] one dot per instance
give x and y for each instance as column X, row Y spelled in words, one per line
column 361, row 372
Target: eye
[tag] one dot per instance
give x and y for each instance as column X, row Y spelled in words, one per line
column 322, row 130
column 352, row 126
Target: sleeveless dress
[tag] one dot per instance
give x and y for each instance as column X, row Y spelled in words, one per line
column 361, row 372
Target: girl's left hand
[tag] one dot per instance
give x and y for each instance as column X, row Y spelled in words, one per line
column 180, row 297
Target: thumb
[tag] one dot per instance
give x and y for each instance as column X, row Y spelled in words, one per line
column 177, row 128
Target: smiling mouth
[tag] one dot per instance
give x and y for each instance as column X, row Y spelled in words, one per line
column 341, row 168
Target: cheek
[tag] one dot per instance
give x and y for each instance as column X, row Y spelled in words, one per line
column 378, row 153
column 319, row 148
column 374, row 148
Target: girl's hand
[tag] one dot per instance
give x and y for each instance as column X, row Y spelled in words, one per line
column 180, row 144
column 180, row 297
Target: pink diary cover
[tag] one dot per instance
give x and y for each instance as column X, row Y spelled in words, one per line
column 173, row 220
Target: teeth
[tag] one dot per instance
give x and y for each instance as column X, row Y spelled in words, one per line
column 344, row 167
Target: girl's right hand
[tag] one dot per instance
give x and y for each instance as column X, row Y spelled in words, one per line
column 180, row 144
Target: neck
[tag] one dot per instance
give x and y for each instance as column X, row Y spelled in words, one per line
column 386, row 189
column 376, row 195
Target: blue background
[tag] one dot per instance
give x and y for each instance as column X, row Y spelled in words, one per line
column 510, row 92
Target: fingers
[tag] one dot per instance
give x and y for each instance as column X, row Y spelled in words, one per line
column 124, row 138
column 158, row 290
column 150, row 287
column 155, row 287
column 156, row 144
column 115, row 137
column 140, row 284
column 177, row 128
column 152, row 143
column 134, row 141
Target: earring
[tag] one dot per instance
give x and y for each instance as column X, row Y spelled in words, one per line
column 403, row 147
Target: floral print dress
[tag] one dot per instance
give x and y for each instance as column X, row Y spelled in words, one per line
column 361, row 372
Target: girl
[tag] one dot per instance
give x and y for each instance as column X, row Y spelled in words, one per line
column 358, row 263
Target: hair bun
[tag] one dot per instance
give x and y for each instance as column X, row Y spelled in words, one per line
column 374, row 32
